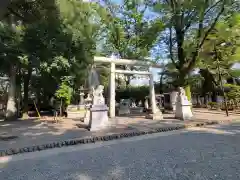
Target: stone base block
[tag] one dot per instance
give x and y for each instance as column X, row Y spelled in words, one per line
column 81, row 107
column 98, row 117
column 136, row 110
column 183, row 112
column 156, row 116
column 123, row 111
column 86, row 119
column 75, row 115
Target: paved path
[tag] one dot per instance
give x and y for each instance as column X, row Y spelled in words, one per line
column 30, row 133
column 193, row 154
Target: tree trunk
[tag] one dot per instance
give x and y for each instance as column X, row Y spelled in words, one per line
column 214, row 96
column 27, row 78
column 18, row 96
column 11, row 110
column 181, row 80
column 188, row 92
column 198, row 100
column 38, row 99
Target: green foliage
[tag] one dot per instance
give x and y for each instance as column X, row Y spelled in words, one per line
column 64, row 93
column 219, row 52
column 234, row 93
column 188, row 26
column 54, row 43
column 233, row 96
column 10, row 49
column 129, row 33
column 235, row 73
column 222, row 47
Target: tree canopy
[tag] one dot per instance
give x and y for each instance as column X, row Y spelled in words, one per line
column 47, row 46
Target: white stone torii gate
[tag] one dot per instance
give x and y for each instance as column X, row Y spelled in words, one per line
column 113, row 70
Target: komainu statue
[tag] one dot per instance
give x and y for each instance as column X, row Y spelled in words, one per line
column 98, row 95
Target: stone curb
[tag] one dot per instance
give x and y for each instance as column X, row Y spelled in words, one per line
column 94, row 139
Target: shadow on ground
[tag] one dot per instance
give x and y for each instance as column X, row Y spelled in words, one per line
column 196, row 153
column 25, row 133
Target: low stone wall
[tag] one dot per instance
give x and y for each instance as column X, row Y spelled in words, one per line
column 75, row 114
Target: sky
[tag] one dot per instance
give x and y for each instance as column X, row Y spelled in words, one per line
column 139, row 82
column 236, row 66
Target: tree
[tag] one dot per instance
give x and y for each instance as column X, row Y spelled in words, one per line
column 130, row 34
column 64, row 52
column 4, row 4
column 167, row 75
column 235, row 73
column 22, row 13
column 38, row 46
column 63, row 94
column 68, row 48
column 83, row 26
column 10, row 38
column 233, row 95
column 188, row 26
column 219, row 52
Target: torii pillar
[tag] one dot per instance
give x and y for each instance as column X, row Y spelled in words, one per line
column 152, row 94
column 112, row 91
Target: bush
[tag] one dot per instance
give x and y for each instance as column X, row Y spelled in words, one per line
column 63, row 94
column 233, row 95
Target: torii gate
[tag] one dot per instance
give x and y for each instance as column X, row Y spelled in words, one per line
column 113, row 70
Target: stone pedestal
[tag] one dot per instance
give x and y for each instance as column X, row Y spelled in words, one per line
column 86, row 119
column 123, row 110
column 75, row 115
column 81, row 107
column 183, row 108
column 136, row 110
column 124, row 107
column 156, row 116
column 75, row 111
column 98, row 117
column 173, row 99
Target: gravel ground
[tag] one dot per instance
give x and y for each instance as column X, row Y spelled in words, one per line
column 194, row 154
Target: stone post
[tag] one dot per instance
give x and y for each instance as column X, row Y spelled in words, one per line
column 173, row 99
column 81, row 94
column 81, row 102
column 112, row 91
column 156, row 112
column 152, row 94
